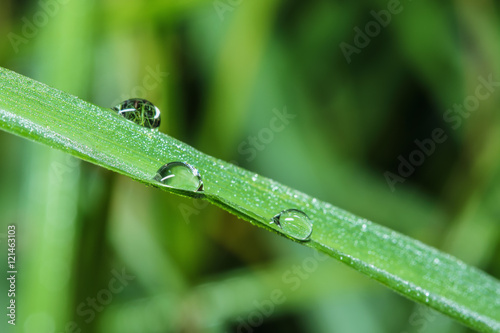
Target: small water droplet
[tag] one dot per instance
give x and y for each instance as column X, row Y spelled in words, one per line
column 363, row 227
column 294, row 223
column 181, row 176
column 140, row 111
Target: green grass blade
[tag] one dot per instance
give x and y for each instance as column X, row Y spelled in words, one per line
column 35, row 111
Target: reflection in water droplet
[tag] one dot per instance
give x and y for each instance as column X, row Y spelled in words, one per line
column 181, row 176
column 294, row 223
column 139, row 111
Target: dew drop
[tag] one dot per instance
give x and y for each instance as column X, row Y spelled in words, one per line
column 140, row 111
column 181, row 176
column 294, row 223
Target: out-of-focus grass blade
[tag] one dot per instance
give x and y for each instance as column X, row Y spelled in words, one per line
column 46, row 115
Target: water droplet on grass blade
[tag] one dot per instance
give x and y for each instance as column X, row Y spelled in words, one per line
column 140, row 111
column 294, row 223
column 181, row 176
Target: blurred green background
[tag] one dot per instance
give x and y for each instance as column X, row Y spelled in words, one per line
column 219, row 70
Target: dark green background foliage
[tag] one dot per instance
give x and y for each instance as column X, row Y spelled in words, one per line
column 266, row 85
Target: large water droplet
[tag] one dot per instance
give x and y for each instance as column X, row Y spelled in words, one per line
column 140, row 111
column 294, row 223
column 181, row 176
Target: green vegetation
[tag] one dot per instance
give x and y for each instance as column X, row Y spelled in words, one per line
column 265, row 86
column 62, row 121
